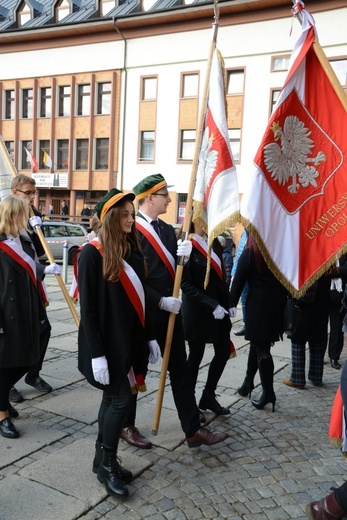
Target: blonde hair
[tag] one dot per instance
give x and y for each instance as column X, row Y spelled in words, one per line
column 14, row 214
column 21, row 179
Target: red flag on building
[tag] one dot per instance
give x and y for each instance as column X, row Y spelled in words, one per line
column 31, row 159
column 216, row 194
column 296, row 198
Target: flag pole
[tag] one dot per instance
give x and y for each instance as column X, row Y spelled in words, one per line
column 186, row 225
column 326, row 65
column 44, row 243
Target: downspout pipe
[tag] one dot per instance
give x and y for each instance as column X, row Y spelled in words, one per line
column 120, row 179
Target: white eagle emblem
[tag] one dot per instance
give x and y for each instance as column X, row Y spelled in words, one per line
column 291, row 158
column 208, row 158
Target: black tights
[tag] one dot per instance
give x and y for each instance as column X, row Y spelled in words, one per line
column 113, row 410
column 8, row 378
column 263, row 349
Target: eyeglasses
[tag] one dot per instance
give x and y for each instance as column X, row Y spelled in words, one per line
column 27, row 192
column 162, row 194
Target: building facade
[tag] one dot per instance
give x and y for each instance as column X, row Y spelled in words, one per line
column 104, row 100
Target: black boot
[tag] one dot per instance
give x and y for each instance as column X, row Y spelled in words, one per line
column 325, row 509
column 252, row 367
column 266, row 372
column 125, row 474
column 208, row 401
column 109, row 475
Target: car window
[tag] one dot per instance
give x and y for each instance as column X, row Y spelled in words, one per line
column 57, row 231
column 75, row 231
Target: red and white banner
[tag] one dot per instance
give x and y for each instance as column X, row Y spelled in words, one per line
column 216, row 194
column 31, row 159
column 296, row 198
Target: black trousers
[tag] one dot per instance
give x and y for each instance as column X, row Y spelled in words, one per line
column 8, row 378
column 217, row 365
column 45, row 334
column 180, row 380
column 335, row 344
column 112, row 412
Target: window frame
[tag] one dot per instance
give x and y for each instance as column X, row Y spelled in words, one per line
column 150, row 143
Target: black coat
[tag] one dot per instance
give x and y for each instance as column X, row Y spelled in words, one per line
column 265, row 302
column 198, row 303
column 313, row 317
column 109, row 323
column 20, row 304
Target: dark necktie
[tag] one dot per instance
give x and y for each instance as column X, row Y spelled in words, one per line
column 155, row 224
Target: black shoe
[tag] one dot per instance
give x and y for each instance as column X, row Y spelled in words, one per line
column 12, row 411
column 208, row 401
column 335, row 364
column 265, row 398
column 39, row 384
column 15, row 396
column 108, row 474
column 8, row 429
column 240, row 332
column 124, row 474
column 245, row 389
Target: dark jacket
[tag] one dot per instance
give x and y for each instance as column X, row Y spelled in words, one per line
column 109, row 323
column 19, row 311
column 314, row 313
column 266, row 299
column 198, row 303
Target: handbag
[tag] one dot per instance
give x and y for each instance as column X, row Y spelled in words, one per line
column 291, row 316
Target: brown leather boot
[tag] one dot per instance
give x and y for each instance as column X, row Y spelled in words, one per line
column 325, row 509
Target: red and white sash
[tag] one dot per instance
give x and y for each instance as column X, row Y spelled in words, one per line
column 200, row 244
column 16, row 252
column 153, row 238
column 131, row 284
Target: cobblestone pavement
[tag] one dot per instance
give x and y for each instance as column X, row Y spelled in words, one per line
column 269, row 468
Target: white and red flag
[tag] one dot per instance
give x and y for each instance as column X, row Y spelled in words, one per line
column 295, row 202
column 216, row 194
column 31, row 159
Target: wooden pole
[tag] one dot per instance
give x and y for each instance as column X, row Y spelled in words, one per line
column 185, row 231
column 45, row 246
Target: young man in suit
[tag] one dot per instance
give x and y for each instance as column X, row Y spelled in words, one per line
column 159, row 246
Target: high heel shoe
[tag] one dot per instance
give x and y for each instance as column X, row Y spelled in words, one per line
column 245, row 389
column 264, row 400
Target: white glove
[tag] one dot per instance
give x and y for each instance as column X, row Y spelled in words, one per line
column 100, row 370
column 35, row 221
column 52, row 269
column 219, row 313
column 170, row 304
column 154, row 350
column 232, row 312
column 184, row 248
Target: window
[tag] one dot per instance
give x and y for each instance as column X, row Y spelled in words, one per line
column 235, row 81
column 64, row 101
column 235, row 140
column 149, row 88
column 190, row 85
column 24, row 15
column 45, row 102
column 24, row 159
column 187, row 147
column 101, row 154
column 340, row 69
column 82, row 154
column 280, row 63
column 62, row 10
column 83, row 100
column 44, row 147
column 147, row 146
column 9, row 104
column 10, row 148
column 274, row 97
column 104, row 98
column 27, row 103
column 107, row 6
column 63, row 154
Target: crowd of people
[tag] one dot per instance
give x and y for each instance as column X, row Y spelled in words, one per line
column 133, row 258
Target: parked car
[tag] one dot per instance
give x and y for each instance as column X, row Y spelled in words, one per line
column 56, row 233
